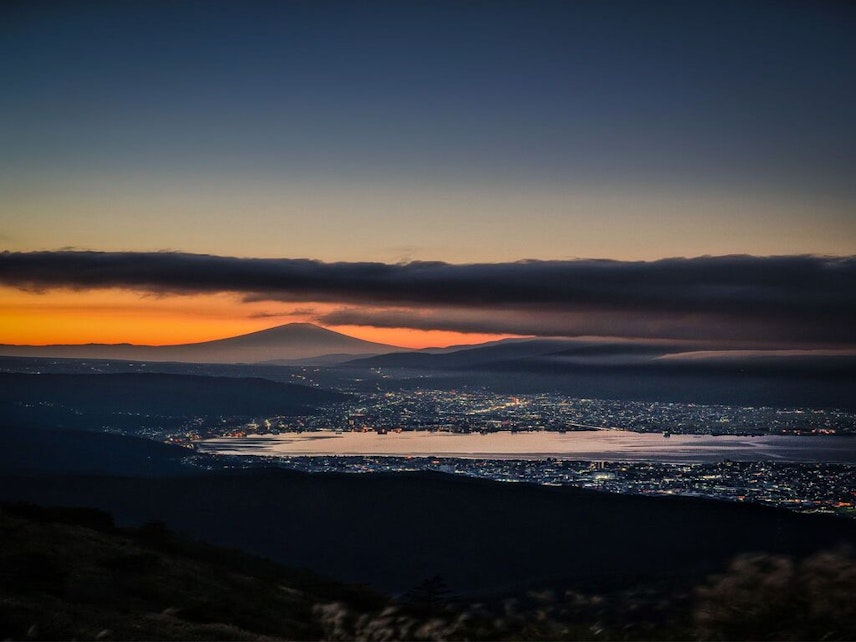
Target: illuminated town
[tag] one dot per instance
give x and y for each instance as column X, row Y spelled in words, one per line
column 807, row 487
column 480, row 410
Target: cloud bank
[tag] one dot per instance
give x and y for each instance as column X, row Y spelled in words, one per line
column 786, row 298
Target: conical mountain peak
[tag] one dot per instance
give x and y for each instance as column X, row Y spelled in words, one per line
column 288, row 342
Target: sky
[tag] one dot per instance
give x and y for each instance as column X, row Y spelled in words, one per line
column 295, row 149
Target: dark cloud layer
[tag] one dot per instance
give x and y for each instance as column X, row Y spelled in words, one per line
column 713, row 330
column 796, row 292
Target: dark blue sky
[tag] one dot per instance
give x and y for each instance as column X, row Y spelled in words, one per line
column 369, row 130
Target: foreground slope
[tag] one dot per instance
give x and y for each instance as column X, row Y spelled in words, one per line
column 69, row 574
column 394, row 531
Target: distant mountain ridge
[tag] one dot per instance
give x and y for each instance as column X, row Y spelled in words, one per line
column 676, row 371
column 284, row 343
column 467, row 356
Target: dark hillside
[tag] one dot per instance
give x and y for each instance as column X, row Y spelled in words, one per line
column 33, row 451
column 162, row 394
column 394, row 531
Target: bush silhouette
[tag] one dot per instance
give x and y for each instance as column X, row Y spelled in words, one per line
column 766, row 597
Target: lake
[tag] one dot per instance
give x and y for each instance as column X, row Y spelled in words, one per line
column 598, row 445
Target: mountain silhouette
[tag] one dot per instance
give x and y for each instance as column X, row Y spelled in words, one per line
column 284, row 343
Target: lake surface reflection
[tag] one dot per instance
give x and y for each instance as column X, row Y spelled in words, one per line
column 600, row 445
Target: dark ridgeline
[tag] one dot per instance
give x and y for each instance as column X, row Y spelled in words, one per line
column 71, row 573
column 391, row 531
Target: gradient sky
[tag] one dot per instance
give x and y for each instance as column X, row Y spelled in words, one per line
column 464, row 132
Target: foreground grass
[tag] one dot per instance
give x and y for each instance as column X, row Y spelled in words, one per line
column 67, row 573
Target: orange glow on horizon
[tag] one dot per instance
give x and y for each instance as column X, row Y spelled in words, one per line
column 417, row 339
column 113, row 316
column 119, row 316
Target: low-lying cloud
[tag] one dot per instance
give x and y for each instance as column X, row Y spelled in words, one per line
column 807, row 298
